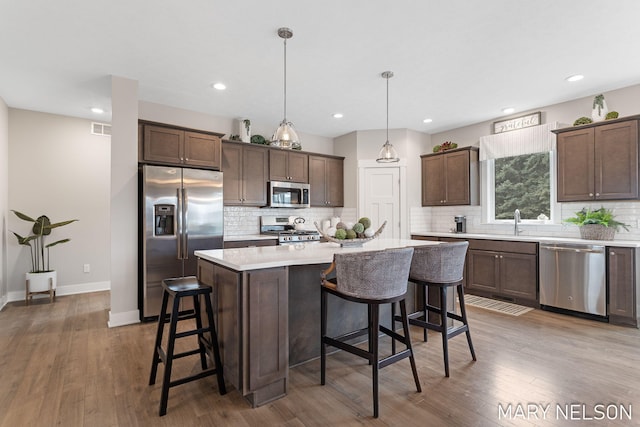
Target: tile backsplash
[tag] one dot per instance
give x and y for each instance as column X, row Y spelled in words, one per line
column 440, row 219
column 242, row 221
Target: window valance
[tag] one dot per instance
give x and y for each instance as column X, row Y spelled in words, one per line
column 534, row 139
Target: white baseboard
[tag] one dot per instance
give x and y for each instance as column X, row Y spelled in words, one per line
column 81, row 288
column 122, row 319
column 3, row 301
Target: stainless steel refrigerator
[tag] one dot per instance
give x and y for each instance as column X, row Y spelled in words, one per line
column 181, row 211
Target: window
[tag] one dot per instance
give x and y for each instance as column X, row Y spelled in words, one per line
column 524, row 183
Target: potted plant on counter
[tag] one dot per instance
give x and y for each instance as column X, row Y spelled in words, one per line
column 41, row 278
column 599, row 224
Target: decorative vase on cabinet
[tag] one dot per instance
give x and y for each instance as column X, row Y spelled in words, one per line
column 245, row 130
column 600, row 109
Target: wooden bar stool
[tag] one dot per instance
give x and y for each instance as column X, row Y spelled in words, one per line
column 179, row 288
column 372, row 278
column 441, row 266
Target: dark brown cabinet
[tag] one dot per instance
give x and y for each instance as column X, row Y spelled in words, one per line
column 450, row 178
column 326, row 181
column 252, row 243
column 598, row 162
column 177, row 146
column 287, row 165
column 503, row 269
column 622, row 280
column 245, row 169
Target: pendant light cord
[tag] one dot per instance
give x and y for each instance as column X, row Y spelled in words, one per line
column 387, row 109
column 285, row 80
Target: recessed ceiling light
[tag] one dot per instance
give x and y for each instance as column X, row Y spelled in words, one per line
column 508, row 110
column 575, row 78
column 219, row 86
column 338, row 115
column 427, row 120
column 97, row 110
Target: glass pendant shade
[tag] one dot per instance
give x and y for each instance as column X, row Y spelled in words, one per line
column 285, row 136
column 387, row 154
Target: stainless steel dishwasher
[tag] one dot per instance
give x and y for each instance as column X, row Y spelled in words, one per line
column 572, row 277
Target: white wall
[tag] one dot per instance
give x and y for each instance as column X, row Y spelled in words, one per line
column 228, row 126
column 4, row 202
column 59, row 169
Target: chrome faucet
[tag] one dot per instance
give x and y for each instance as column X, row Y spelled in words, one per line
column 516, row 220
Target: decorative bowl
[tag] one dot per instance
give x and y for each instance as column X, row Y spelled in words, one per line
column 350, row 243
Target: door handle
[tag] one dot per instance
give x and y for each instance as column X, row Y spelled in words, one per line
column 179, row 223
column 185, row 228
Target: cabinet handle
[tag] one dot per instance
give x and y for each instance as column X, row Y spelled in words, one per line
column 597, row 194
column 496, row 256
column 500, row 256
column 612, row 253
column 590, row 194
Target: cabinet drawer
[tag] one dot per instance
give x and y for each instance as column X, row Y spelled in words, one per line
column 504, row 246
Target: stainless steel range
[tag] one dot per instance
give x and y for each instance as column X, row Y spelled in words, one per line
column 288, row 229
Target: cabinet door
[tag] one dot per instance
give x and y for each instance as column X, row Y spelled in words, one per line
column 255, row 172
column 232, row 174
column 267, row 329
column 163, row 145
column 484, row 270
column 576, row 165
column 518, row 275
column 335, row 182
column 201, row 149
column 433, row 191
column 616, row 161
column 298, row 167
column 456, row 171
column 621, row 282
column 278, row 165
column 317, row 181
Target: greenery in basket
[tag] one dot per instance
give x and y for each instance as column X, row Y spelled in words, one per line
column 600, row 216
column 42, row 227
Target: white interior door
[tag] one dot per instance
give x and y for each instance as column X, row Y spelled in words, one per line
column 382, row 199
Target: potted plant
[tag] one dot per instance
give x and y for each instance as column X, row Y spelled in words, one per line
column 41, row 278
column 599, row 224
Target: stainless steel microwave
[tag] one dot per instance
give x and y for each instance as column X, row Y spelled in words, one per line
column 288, row 194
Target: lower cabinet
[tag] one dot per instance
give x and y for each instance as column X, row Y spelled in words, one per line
column 622, row 279
column 503, row 269
column 252, row 323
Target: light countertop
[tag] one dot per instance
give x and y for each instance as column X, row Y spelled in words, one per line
column 526, row 238
column 244, row 259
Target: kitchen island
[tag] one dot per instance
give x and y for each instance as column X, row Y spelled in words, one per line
column 267, row 303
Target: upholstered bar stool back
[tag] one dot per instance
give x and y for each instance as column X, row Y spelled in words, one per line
column 441, row 266
column 372, row 278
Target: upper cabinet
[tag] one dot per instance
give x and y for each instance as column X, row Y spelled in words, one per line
column 450, row 178
column 326, row 181
column 598, row 161
column 245, row 172
column 179, row 146
column 287, row 165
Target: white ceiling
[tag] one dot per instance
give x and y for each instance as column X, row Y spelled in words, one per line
column 457, row 62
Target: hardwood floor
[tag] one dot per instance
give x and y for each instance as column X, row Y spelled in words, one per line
column 61, row 365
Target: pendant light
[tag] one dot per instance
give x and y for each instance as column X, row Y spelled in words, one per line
column 285, row 136
column 387, row 153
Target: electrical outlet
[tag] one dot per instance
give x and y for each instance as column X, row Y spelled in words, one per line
column 87, row 268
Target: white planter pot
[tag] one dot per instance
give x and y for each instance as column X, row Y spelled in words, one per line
column 40, row 282
column 598, row 114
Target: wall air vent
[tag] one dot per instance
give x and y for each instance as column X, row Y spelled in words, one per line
column 100, row 129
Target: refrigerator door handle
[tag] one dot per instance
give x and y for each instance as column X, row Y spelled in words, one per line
column 185, row 228
column 180, row 224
